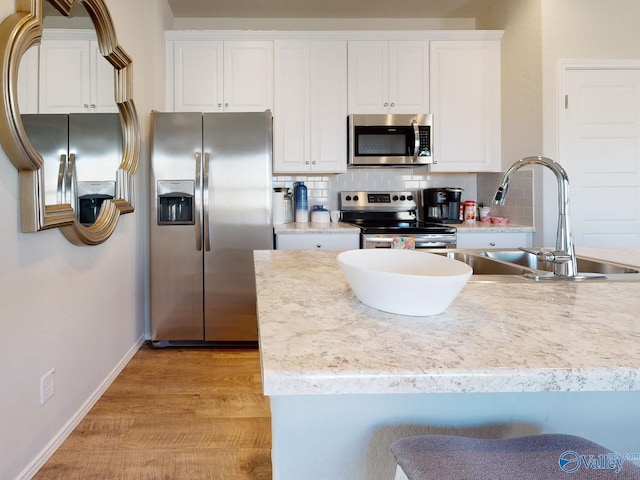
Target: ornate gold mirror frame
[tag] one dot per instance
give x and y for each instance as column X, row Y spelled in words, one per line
column 18, row 32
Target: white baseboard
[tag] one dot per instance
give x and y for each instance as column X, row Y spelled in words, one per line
column 73, row 422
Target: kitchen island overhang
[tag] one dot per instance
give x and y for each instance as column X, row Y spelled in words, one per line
column 554, row 357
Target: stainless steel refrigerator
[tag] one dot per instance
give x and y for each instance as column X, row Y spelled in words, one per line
column 81, row 153
column 210, row 209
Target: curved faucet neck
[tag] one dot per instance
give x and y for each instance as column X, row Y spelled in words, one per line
column 566, row 264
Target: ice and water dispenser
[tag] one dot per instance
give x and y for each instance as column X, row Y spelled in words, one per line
column 175, row 202
column 90, row 196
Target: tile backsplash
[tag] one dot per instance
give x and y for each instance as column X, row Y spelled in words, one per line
column 519, row 204
column 323, row 190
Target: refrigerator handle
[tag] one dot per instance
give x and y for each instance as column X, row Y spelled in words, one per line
column 205, row 201
column 62, row 174
column 70, row 178
column 198, row 199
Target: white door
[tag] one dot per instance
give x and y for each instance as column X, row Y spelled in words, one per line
column 600, row 149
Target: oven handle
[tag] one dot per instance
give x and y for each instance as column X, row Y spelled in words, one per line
column 387, row 242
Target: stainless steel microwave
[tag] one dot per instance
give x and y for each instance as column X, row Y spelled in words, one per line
column 386, row 140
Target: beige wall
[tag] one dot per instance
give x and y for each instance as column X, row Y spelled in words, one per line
column 79, row 310
column 578, row 29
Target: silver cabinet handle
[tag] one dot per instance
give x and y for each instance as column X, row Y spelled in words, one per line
column 393, row 104
column 385, row 104
column 492, row 244
column 86, row 105
column 226, row 105
column 205, row 201
column 318, row 245
column 198, row 199
column 93, row 105
column 219, row 105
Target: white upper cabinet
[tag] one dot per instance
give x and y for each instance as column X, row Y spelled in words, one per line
column 465, row 102
column 388, row 76
column 74, row 76
column 28, row 74
column 310, row 106
column 219, row 76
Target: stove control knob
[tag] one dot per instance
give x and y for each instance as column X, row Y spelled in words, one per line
column 402, row 198
column 355, row 198
column 409, row 197
column 348, row 198
column 395, row 198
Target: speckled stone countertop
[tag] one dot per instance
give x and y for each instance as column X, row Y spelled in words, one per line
column 322, row 228
column 342, row 228
column 485, row 227
column 317, row 338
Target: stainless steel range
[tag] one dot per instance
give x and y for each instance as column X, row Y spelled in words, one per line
column 385, row 215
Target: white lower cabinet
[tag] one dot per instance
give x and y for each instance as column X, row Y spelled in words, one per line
column 297, row 241
column 494, row 240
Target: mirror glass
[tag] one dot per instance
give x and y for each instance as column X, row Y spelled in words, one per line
column 70, row 125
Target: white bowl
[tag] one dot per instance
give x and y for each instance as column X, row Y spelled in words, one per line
column 407, row 282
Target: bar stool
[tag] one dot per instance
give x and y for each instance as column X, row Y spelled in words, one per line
column 539, row 457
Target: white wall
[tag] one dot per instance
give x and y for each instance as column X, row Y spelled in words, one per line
column 79, row 310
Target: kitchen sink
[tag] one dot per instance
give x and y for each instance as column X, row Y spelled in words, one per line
column 484, row 265
column 514, row 265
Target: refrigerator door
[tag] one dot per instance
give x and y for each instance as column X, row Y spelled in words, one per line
column 237, row 197
column 49, row 135
column 176, row 252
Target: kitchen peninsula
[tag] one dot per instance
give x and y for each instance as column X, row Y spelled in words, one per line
column 505, row 359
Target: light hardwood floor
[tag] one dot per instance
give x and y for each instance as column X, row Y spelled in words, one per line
column 174, row 413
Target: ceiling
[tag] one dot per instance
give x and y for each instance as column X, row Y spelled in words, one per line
column 321, row 8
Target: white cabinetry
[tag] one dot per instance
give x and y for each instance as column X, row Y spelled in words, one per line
column 388, row 76
column 494, row 240
column 28, row 74
column 310, row 79
column 465, row 102
column 74, row 76
column 219, row 76
column 311, row 241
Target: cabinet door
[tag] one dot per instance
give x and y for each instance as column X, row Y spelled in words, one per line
column 248, row 76
column 465, row 102
column 312, row 241
column 328, row 106
column 368, row 77
column 28, row 74
column 409, row 77
column 197, row 76
column 310, row 106
column 494, row 240
column 65, row 78
column 103, row 95
column 291, row 119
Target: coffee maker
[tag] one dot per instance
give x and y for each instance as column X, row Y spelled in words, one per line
column 441, row 205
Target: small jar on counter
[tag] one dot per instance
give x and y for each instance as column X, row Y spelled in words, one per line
column 469, row 211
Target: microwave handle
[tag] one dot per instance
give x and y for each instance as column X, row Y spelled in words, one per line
column 416, row 140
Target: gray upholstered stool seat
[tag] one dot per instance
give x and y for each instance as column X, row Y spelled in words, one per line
column 534, row 457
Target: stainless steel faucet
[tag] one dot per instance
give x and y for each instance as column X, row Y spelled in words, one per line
column 564, row 257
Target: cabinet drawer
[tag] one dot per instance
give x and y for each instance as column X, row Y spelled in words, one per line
column 494, row 240
column 317, row 241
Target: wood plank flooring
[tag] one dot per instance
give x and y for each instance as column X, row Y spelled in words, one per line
column 174, row 413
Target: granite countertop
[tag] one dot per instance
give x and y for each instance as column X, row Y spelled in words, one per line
column 486, row 227
column 322, row 228
column 343, row 228
column 317, row 338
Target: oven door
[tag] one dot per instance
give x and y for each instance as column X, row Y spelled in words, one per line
column 422, row 241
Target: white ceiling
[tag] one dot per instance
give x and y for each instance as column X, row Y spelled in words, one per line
column 321, row 8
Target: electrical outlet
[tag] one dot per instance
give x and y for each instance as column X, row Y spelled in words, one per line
column 47, row 386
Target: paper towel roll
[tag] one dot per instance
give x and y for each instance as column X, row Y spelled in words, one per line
column 278, row 208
